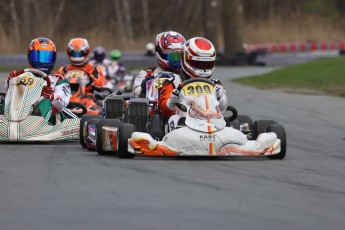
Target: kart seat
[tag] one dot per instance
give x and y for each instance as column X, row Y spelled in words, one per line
column 181, row 122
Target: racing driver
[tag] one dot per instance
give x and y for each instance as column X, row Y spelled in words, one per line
column 198, row 58
column 42, row 56
column 168, row 50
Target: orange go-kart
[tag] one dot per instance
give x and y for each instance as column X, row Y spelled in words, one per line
column 82, row 95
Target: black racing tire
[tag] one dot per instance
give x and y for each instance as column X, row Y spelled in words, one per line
column 234, row 124
column 92, row 121
column 82, row 134
column 138, row 113
column 100, row 137
column 281, row 134
column 260, row 126
column 125, row 132
column 245, row 119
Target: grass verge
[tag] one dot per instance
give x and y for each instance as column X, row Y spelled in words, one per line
column 325, row 76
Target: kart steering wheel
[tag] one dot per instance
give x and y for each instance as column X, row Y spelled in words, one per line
column 40, row 74
column 186, row 82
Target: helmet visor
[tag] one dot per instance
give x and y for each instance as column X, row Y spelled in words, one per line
column 42, row 56
column 173, row 56
column 201, row 64
column 77, row 53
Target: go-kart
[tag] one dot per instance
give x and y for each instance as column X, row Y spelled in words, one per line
column 199, row 129
column 18, row 121
column 142, row 112
column 81, row 93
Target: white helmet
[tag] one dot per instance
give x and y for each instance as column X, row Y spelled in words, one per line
column 198, row 57
column 168, row 50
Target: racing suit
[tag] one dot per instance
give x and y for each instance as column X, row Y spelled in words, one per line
column 57, row 102
column 95, row 73
column 165, row 92
column 139, row 82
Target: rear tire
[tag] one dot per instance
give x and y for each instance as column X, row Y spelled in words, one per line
column 137, row 113
column 125, row 132
column 234, row 124
column 82, row 129
column 260, row 126
column 92, row 121
column 245, row 119
column 281, row 134
column 100, row 137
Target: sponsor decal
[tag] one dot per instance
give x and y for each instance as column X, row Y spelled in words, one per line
column 207, row 137
column 49, row 114
column 44, row 44
column 70, row 132
column 203, row 58
column 189, row 148
column 66, row 89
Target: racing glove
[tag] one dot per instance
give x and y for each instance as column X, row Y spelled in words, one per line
column 219, row 92
column 174, row 99
column 13, row 74
column 48, row 93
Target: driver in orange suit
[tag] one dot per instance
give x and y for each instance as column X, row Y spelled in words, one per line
column 78, row 53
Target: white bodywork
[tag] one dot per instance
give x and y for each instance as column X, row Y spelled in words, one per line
column 17, row 123
column 204, row 132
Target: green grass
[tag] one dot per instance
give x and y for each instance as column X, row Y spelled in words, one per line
column 325, row 76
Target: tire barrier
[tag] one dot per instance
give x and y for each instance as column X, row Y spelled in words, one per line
column 295, row 47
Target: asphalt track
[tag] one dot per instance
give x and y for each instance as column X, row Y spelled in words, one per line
column 62, row 186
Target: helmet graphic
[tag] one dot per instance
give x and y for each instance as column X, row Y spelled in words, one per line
column 78, row 51
column 42, row 54
column 198, row 57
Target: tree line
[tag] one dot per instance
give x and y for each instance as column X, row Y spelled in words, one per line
column 131, row 24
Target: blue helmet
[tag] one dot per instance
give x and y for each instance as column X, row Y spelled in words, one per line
column 42, row 54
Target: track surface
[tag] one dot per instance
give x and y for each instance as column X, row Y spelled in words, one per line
column 62, row 186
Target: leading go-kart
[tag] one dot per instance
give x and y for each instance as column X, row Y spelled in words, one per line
column 18, row 121
column 199, row 129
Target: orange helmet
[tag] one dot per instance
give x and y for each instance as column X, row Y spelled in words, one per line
column 42, row 54
column 78, row 51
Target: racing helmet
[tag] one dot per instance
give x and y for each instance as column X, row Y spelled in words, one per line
column 42, row 54
column 78, row 51
column 198, row 57
column 168, row 50
column 99, row 54
column 115, row 55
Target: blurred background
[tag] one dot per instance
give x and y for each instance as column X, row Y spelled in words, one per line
column 129, row 25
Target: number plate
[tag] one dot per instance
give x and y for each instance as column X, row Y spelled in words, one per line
column 74, row 73
column 159, row 83
column 26, row 80
column 198, row 89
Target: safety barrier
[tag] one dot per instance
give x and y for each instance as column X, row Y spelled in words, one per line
column 292, row 47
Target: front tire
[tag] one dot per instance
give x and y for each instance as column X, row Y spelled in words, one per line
column 83, row 130
column 125, row 132
column 100, row 134
column 92, row 121
column 260, row 126
column 281, row 134
column 245, row 119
